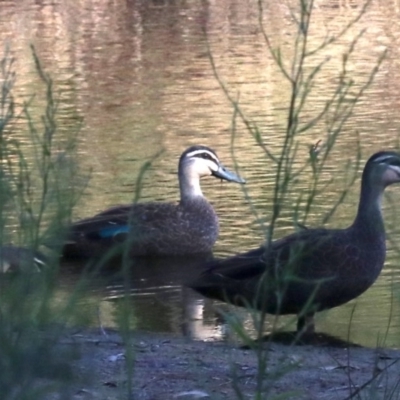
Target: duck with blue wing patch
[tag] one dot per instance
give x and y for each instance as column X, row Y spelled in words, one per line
column 156, row 228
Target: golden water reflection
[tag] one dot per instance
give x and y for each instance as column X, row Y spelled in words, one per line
column 139, row 75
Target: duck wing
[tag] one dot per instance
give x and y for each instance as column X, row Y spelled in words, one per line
column 106, row 224
column 299, row 248
column 329, row 266
column 141, row 219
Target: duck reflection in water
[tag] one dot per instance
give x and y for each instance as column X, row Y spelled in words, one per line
column 154, row 288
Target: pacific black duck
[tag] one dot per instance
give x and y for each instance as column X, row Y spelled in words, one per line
column 157, row 228
column 313, row 269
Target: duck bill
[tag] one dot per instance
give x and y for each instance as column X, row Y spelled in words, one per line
column 223, row 173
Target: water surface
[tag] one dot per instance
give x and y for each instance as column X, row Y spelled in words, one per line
column 139, row 75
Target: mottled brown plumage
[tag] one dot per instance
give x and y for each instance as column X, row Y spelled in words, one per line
column 314, row 269
column 155, row 228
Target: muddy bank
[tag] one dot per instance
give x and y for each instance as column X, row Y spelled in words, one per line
column 167, row 367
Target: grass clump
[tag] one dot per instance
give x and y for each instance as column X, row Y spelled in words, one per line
column 39, row 185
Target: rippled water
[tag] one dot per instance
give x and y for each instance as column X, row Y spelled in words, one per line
column 139, row 74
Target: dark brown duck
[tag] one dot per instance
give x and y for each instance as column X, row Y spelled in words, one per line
column 314, row 269
column 190, row 226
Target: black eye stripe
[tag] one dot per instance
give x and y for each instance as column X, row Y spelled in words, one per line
column 390, row 161
column 383, row 159
column 205, row 155
column 386, row 159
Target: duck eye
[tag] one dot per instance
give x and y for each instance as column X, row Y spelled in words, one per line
column 207, row 156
